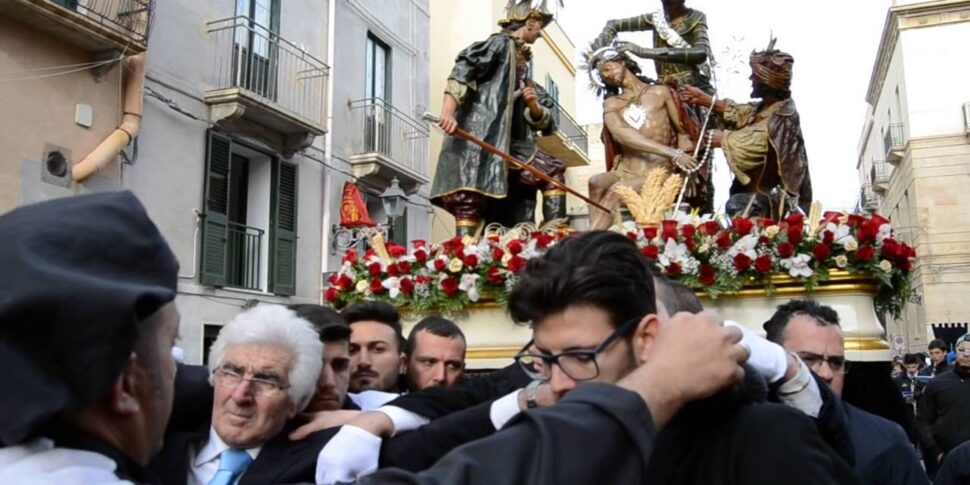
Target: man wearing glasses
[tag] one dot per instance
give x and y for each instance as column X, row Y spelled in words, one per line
column 944, row 414
column 264, row 367
column 883, row 454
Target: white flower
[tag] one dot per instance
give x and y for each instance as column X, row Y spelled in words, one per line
column 469, row 284
column 841, row 261
column 850, row 244
column 529, row 251
column 797, row 265
column 842, row 233
column 771, row 231
column 455, row 265
column 885, row 232
column 745, row 245
column 673, row 253
column 885, row 266
column 630, row 226
column 362, row 286
column 393, row 286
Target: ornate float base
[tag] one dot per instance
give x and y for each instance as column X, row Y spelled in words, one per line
column 493, row 339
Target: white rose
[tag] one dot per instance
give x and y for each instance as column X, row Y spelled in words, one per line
column 455, row 265
column 885, row 266
column 771, row 231
column 851, row 245
column 841, row 261
column 362, row 286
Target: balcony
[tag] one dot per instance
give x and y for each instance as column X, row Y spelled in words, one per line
column 895, row 142
column 390, row 144
column 868, row 198
column 266, row 84
column 879, row 176
column 244, row 250
column 100, row 26
column 569, row 144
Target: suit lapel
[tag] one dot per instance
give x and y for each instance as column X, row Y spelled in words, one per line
column 277, row 456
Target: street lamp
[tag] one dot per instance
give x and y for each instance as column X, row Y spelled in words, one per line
column 394, row 200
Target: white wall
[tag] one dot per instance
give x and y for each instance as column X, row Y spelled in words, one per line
column 937, row 74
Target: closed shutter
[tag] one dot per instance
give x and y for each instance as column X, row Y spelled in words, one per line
column 282, row 229
column 216, row 208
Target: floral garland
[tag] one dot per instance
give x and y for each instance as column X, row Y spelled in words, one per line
column 716, row 257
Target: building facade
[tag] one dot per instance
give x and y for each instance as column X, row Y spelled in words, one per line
column 455, row 26
column 914, row 157
column 227, row 120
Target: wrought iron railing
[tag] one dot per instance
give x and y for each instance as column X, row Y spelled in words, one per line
column 880, row 174
column 132, row 18
column 571, row 130
column 894, row 139
column 252, row 57
column 386, row 130
column 868, row 198
column 244, row 250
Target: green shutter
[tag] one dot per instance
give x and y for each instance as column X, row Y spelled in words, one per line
column 282, row 229
column 216, row 208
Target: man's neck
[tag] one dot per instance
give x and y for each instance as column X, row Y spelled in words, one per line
column 632, row 84
column 676, row 13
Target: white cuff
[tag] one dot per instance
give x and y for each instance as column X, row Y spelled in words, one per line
column 403, row 419
column 543, row 122
column 350, row 454
column 802, row 392
column 504, row 409
column 768, row 358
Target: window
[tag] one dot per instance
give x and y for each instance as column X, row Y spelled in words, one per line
column 257, row 45
column 377, row 84
column 249, row 226
column 553, row 89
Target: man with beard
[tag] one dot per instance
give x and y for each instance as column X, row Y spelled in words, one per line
column 334, row 378
column 377, row 359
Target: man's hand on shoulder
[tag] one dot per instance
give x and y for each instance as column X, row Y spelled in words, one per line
column 322, row 420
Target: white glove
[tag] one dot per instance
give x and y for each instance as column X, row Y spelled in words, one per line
column 767, row 358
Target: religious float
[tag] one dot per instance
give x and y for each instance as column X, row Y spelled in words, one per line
column 741, row 268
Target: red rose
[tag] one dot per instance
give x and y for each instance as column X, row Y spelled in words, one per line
column 855, row 220
column 449, row 285
column 404, row 267
column 821, row 252
column 516, row 263
column 370, row 253
column 375, row 285
column 542, row 239
column 440, row 264
column 910, row 251
column 420, row 256
column 392, row 270
column 795, row 233
column 763, row 264
column 828, row 237
column 514, row 246
column 632, row 235
column 878, row 220
column 470, row 260
column 688, row 231
column 650, row 251
column 345, row 283
column 419, row 243
column 707, row 275
column 673, row 270
column 867, row 232
column 830, row 216
column 742, row 262
column 396, row 250
column 334, row 278
column 650, row 232
column 865, row 254
column 407, row 286
column 709, row 228
column 374, row 269
column 669, row 230
column 795, row 220
column 786, row 249
column 497, row 254
column 723, row 240
column 764, row 222
column 331, row 294
column 422, row 279
column 763, row 240
column 742, row 226
column 690, row 244
column 350, row 256
column 494, row 276
column 892, row 250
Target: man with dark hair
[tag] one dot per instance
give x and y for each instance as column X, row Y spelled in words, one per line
column 938, row 364
column 908, row 381
column 377, row 359
column 882, row 451
column 87, row 327
column 435, row 352
column 334, row 378
column 943, row 413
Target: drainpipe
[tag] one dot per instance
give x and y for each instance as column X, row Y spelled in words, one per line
column 109, row 149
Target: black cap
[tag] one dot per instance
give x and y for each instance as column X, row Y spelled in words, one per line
column 77, row 275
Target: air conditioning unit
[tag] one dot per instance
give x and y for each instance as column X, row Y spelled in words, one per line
column 966, row 117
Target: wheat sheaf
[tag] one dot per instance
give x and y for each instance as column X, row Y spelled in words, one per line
column 656, row 196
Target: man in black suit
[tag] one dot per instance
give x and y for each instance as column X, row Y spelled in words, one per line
column 264, row 367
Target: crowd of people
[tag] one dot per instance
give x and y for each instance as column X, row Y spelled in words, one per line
column 626, row 379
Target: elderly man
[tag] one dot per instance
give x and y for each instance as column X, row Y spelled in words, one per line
column 882, row 451
column 264, row 367
column 435, row 353
column 87, row 327
column 763, row 145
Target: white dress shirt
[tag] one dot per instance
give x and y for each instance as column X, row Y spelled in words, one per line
column 204, row 464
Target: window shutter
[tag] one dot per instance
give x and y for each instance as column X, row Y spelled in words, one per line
column 282, row 229
column 215, row 221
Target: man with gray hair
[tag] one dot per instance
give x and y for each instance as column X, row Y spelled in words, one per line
column 263, row 368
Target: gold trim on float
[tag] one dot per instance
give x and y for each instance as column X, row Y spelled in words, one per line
column 492, row 353
column 839, row 283
column 866, row 343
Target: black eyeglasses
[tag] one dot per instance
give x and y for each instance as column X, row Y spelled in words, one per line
column 579, row 365
column 814, row 361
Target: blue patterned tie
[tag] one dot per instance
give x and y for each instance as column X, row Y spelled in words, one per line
column 232, row 462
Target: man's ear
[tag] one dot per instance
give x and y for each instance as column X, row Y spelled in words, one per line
column 403, row 366
column 643, row 337
column 122, row 398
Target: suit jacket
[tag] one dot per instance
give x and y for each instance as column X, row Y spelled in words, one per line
column 280, row 460
column 436, row 402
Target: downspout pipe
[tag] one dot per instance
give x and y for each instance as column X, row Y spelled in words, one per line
column 109, row 149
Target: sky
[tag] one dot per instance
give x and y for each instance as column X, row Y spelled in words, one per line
column 834, row 43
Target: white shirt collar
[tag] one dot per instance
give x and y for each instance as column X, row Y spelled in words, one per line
column 214, row 448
